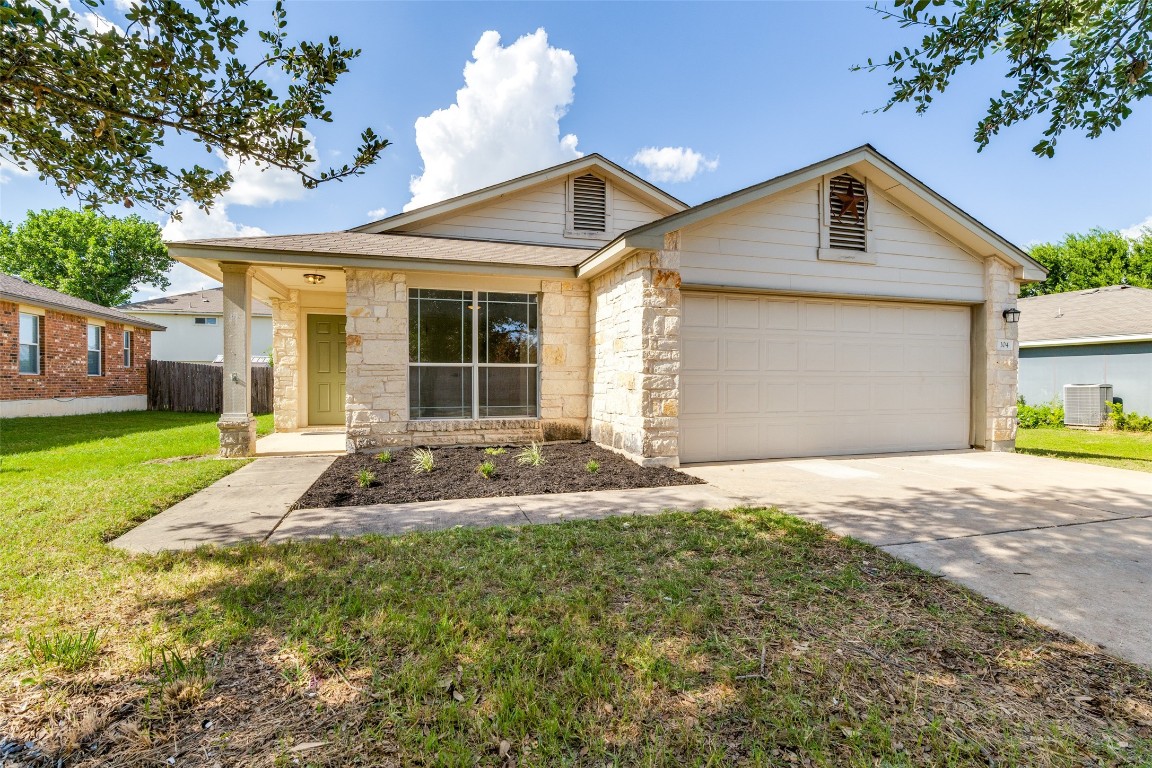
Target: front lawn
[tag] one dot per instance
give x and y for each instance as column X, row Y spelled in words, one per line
column 719, row 638
column 1126, row 450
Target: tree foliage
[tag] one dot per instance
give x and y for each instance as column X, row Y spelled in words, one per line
column 91, row 106
column 84, row 254
column 1093, row 260
column 1080, row 63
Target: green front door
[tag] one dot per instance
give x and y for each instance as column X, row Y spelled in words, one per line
column 326, row 369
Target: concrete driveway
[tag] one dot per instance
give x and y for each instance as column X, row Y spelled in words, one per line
column 1069, row 544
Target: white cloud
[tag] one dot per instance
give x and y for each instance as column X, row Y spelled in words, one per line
column 673, row 164
column 505, row 122
column 183, row 279
column 195, row 224
column 9, row 170
column 377, row 213
column 1136, row 230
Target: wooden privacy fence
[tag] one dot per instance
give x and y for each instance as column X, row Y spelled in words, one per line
column 176, row 386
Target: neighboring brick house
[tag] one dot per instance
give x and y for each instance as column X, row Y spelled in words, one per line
column 842, row 308
column 60, row 355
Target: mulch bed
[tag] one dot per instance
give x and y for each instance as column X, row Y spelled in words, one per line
column 455, row 476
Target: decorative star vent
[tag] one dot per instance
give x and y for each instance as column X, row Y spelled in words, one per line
column 848, row 206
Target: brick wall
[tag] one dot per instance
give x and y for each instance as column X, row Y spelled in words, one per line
column 64, row 359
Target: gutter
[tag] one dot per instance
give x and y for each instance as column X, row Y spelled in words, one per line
column 1085, row 340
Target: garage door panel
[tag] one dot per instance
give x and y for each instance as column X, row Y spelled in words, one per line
column 776, row 377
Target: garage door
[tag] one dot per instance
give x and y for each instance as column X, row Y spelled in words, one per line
column 770, row 377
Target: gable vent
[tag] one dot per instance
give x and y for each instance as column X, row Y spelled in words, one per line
column 589, row 203
column 848, row 222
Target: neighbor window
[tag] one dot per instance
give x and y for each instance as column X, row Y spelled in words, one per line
column 127, row 349
column 29, row 343
column 205, row 321
column 472, row 354
column 95, row 350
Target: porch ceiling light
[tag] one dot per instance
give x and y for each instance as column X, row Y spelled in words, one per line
column 313, row 278
column 1012, row 315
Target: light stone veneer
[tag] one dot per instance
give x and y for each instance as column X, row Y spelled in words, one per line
column 286, row 361
column 377, row 370
column 636, row 347
column 1000, row 384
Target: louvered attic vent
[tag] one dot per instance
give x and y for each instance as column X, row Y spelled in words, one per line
column 589, row 203
column 848, row 205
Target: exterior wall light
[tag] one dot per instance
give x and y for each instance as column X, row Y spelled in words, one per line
column 1010, row 315
column 315, row 279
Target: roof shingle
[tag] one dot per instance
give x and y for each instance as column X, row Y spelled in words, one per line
column 18, row 290
column 207, row 302
column 1117, row 310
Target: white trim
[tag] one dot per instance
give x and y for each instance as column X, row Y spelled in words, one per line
column 72, row 406
column 1084, row 340
column 30, row 310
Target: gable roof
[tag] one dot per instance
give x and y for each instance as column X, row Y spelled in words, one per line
column 20, row 291
column 646, row 190
column 1114, row 313
column 206, row 302
column 378, row 248
column 890, row 179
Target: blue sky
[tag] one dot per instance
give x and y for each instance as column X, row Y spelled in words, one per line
column 758, row 88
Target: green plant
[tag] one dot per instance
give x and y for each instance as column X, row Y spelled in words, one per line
column 1127, row 422
column 171, row 666
column 68, row 650
column 1044, row 415
column 532, row 456
column 488, row 469
column 423, row 460
column 495, row 451
column 365, row 478
column 592, row 467
column 384, row 457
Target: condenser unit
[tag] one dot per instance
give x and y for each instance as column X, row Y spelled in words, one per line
column 1086, row 405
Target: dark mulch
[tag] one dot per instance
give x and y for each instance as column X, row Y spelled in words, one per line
column 455, row 476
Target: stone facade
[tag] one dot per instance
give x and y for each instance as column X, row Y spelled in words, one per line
column 564, row 341
column 376, row 383
column 1001, row 365
column 286, row 393
column 237, row 437
column 636, row 356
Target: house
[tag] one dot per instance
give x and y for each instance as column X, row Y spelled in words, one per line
column 842, row 308
column 1095, row 336
column 60, row 355
column 194, row 326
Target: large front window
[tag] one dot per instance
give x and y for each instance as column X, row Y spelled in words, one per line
column 473, row 354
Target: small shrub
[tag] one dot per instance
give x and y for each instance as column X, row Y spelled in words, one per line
column 495, row 451
column 171, row 666
column 532, row 456
column 70, row 651
column 1127, row 422
column 488, row 469
column 592, row 467
column 423, row 461
column 181, row 682
column 1045, row 415
column 384, row 457
column 365, row 478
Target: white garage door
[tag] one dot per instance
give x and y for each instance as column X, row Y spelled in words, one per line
column 768, row 377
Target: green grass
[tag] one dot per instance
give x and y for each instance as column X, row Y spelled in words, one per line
column 1126, row 450
column 718, row 638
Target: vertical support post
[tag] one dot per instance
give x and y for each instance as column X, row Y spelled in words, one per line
column 236, row 424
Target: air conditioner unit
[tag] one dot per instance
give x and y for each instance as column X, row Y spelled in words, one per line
column 1086, row 405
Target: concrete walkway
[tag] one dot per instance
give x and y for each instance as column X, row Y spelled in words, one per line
column 244, row 506
column 1066, row 543
column 315, row 441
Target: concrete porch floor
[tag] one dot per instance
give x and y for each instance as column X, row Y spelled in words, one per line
column 310, row 441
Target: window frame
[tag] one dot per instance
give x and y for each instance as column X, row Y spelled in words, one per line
column 99, row 349
column 129, row 343
column 205, row 320
column 570, row 208
column 38, row 343
column 826, row 252
column 474, row 366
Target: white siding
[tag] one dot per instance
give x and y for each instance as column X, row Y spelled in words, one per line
column 536, row 216
column 185, row 341
column 772, row 244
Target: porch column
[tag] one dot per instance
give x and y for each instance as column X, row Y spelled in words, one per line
column 995, row 361
column 237, row 427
